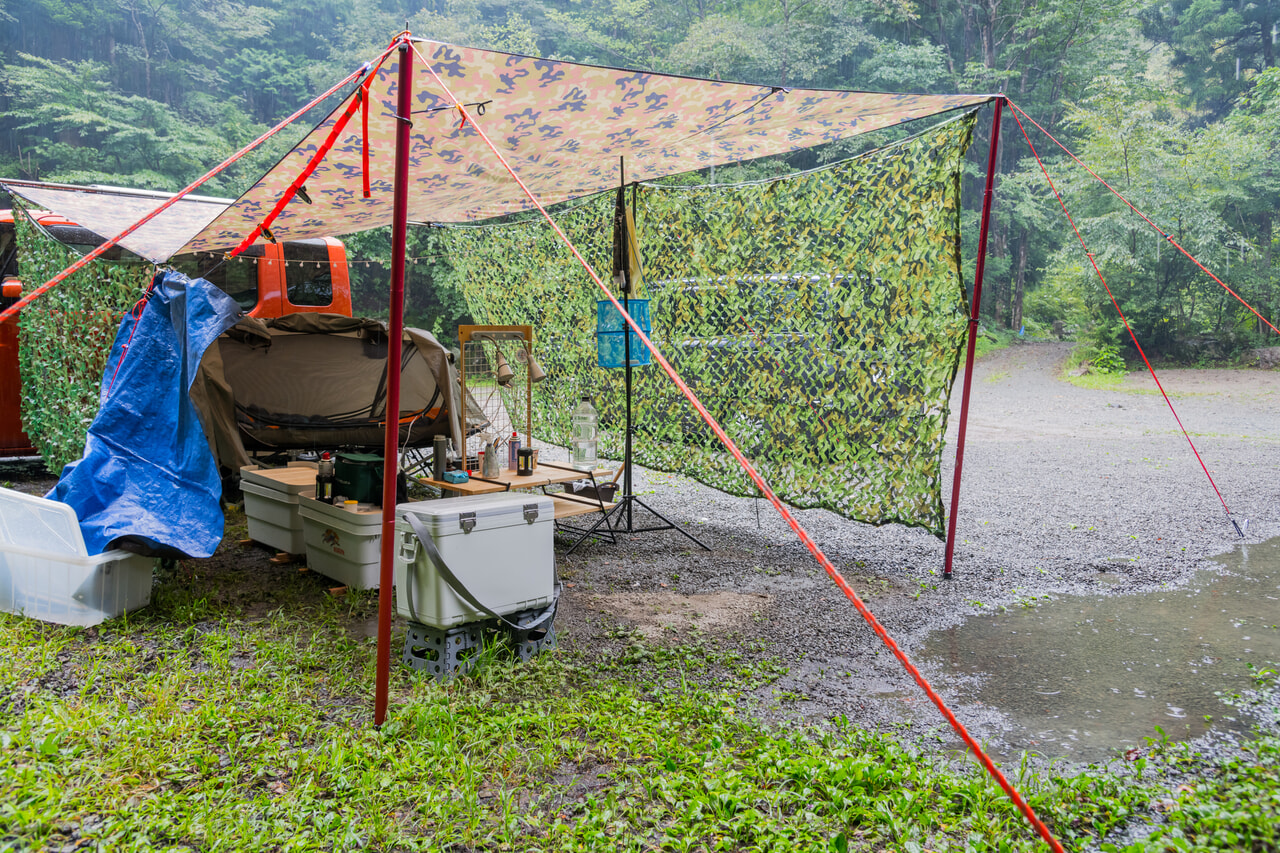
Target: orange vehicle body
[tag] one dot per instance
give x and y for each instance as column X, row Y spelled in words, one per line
column 267, row 281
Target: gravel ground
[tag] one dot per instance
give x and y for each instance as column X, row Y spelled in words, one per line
column 1066, row 491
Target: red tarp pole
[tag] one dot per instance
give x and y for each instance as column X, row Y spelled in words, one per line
column 973, row 331
column 391, row 449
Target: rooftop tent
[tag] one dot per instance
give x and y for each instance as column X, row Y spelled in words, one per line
column 250, row 396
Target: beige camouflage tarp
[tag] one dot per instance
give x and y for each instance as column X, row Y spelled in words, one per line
column 561, row 125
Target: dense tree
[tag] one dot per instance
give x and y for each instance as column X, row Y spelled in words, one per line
column 1209, row 189
column 1218, row 46
column 152, row 92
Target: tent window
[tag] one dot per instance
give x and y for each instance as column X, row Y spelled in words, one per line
column 307, row 275
column 237, row 277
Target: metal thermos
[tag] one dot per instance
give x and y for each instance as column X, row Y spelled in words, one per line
column 439, row 449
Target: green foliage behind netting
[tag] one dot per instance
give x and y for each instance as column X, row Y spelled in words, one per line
column 819, row 317
column 64, row 339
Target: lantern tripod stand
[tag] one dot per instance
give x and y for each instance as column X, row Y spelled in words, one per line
column 621, row 517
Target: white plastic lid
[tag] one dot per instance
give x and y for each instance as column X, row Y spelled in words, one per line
column 39, row 524
column 501, row 508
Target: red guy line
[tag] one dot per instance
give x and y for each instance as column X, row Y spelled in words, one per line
column 12, row 311
column 1166, row 235
column 361, row 100
column 292, row 190
column 795, row 525
column 1123, row 319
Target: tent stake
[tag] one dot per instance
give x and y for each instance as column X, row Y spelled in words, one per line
column 390, row 449
column 973, row 332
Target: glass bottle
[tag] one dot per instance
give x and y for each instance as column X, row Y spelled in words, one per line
column 325, row 479
column 585, row 426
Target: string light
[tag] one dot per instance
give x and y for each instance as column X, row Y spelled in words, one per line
column 227, row 259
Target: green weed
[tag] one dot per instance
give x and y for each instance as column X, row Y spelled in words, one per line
column 194, row 725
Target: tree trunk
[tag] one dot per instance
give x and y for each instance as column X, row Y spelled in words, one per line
column 1268, row 49
column 1267, row 281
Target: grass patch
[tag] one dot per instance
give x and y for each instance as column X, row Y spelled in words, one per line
column 1103, row 374
column 990, row 340
column 1096, row 381
column 233, row 735
column 209, row 723
column 1236, row 806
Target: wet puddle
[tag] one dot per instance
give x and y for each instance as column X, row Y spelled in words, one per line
column 1087, row 677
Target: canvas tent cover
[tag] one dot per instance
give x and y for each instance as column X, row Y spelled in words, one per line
column 562, row 126
column 319, row 381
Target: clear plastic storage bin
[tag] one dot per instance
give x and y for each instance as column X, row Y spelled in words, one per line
column 46, row 574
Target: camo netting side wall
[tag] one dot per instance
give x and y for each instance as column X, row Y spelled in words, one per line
column 819, row 317
column 64, row 339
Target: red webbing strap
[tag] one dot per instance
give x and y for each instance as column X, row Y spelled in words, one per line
column 364, row 136
column 1123, row 318
column 12, row 310
column 1166, row 235
column 292, row 190
column 795, row 525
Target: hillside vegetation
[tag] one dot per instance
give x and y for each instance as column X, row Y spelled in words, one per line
column 1176, row 103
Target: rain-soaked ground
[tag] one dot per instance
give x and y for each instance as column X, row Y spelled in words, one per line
column 1086, row 526
column 1077, row 504
column 1085, row 676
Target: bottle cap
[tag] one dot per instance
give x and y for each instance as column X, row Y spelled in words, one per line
column 324, row 455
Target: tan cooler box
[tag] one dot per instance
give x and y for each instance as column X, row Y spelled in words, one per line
column 500, row 546
column 271, row 504
column 343, row 544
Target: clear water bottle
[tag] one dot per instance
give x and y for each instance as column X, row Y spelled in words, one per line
column 585, row 425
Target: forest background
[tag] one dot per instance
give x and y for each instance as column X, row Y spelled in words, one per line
column 1177, row 104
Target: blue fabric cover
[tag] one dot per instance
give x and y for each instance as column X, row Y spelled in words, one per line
column 147, row 471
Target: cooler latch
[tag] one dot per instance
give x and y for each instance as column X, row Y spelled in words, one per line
column 530, row 513
column 467, row 521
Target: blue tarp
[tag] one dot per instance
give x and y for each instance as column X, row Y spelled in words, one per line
column 148, row 473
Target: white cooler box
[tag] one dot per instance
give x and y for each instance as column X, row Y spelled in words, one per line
column 271, row 504
column 47, row 574
column 341, row 544
column 500, row 546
